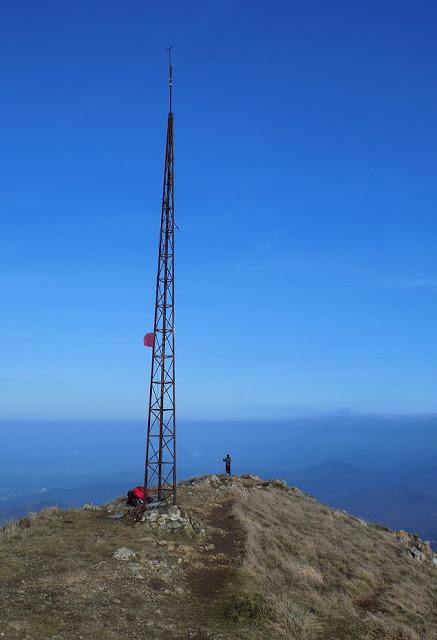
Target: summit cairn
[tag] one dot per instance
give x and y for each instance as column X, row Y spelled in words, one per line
column 169, row 519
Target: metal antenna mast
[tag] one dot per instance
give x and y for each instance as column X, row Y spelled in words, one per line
column 160, row 467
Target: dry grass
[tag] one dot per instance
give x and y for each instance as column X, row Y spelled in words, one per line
column 31, row 525
column 326, row 576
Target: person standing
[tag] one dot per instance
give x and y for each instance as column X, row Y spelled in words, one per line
column 227, row 461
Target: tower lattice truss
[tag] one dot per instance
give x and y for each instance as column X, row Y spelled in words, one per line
column 160, row 468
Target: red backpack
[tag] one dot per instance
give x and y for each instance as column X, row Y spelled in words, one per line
column 135, row 496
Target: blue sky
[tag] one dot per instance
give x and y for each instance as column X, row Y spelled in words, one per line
column 306, row 147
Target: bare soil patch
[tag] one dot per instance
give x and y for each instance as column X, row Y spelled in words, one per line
column 224, row 543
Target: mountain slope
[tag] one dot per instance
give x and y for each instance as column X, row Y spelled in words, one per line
column 329, row 575
column 263, row 561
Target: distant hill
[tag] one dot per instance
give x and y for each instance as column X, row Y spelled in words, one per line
column 241, row 559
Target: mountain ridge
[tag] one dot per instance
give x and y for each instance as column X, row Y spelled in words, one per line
column 242, row 558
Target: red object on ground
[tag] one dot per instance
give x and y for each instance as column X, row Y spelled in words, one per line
column 138, row 493
column 149, row 340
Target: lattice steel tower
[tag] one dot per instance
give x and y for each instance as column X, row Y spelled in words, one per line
column 160, row 467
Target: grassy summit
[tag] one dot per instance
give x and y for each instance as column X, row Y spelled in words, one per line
column 265, row 562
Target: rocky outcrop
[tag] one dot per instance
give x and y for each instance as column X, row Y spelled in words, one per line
column 418, row 549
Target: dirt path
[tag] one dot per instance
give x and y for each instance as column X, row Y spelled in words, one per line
column 223, row 543
column 212, row 581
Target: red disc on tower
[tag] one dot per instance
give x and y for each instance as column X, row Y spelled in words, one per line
column 149, row 340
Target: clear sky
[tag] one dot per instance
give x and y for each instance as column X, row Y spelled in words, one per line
column 306, row 152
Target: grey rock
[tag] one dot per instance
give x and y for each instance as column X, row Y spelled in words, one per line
column 124, row 554
column 89, row 506
column 297, row 491
column 136, row 570
column 417, row 554
column 174, row 512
